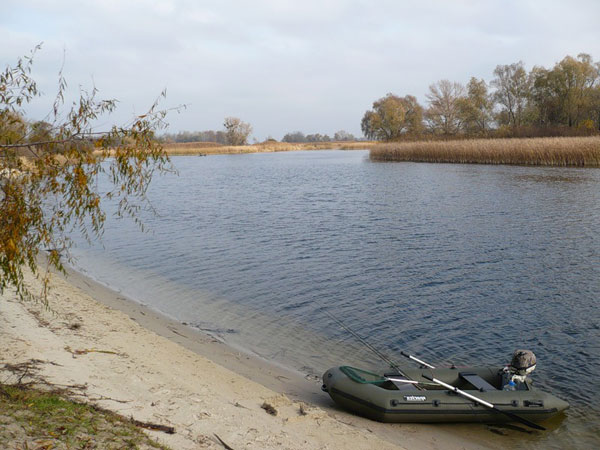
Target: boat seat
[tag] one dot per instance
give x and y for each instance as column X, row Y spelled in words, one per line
column 477, row 381
column 403, row 386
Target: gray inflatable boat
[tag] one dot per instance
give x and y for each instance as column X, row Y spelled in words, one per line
column 470, row 394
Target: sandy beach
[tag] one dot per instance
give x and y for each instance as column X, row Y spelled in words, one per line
column 122, row 356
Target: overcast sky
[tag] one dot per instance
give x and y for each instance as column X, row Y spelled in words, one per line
column 283, row 65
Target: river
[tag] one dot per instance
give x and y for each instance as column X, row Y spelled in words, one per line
column 454, row 263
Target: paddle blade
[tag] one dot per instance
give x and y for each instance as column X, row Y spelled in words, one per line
column 520, row 419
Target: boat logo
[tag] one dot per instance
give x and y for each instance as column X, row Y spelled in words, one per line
column 415, row 398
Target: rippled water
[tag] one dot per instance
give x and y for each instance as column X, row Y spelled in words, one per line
column 455, row 263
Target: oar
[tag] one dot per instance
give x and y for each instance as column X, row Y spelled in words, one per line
column 514, row 417
column 405, row 381
column 401, row 380
column 423, row 363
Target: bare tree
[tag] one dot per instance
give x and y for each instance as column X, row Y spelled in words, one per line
column 443, row 115
column 343, row 135
column 237, row 131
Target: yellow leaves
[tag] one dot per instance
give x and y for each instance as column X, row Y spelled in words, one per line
column 392, row 116
column 94, row 203
column 10, row 247
column 55, row 190
column 79, row 177
column 587, row 125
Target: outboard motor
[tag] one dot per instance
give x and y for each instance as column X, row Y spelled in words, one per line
column 522, row 364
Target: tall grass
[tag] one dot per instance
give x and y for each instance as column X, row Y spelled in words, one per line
column 559, row 151
column 212, row 148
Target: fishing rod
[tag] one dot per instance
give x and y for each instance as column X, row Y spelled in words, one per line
column 423, row 363
column 392, row 364
column 374, row 350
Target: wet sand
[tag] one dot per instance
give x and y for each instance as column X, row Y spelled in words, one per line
column 139, row 363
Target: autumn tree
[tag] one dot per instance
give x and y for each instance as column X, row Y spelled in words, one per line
column 542, row 98
column 294, row 136
column 476, row 108
column 13, row 127
column 196, row 136
column 574, row 81
column 343, row 135
column 392, row 117
column 237, row 131
column 595, row 104
column 565, row 94
column 317, row 137
column 444, row 113
column 512, row 92
column 49, row 172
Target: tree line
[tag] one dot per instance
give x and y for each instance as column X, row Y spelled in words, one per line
column 299, row 136
column 563, row 100
column 236, row 132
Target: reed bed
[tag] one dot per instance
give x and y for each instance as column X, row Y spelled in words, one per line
column 212, row 148
column 559, row 151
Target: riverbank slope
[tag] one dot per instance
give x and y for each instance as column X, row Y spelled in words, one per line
column 109, row 359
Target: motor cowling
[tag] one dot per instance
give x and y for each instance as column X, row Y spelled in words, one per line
column 523, row 362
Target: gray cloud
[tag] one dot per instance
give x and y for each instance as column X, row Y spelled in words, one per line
column 284, row 65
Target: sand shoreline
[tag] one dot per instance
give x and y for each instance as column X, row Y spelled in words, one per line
column 135, row 361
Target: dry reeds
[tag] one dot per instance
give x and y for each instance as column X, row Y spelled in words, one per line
column 212, row 148
column 560, row 151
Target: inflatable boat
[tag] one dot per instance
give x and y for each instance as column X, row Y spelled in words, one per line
column 426, row 394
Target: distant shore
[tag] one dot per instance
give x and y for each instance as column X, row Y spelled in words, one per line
column 544, row 151
column 212, row 148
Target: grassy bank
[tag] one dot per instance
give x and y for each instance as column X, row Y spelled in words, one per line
column 211, row 148
column 35, row 419
column 561, row 151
